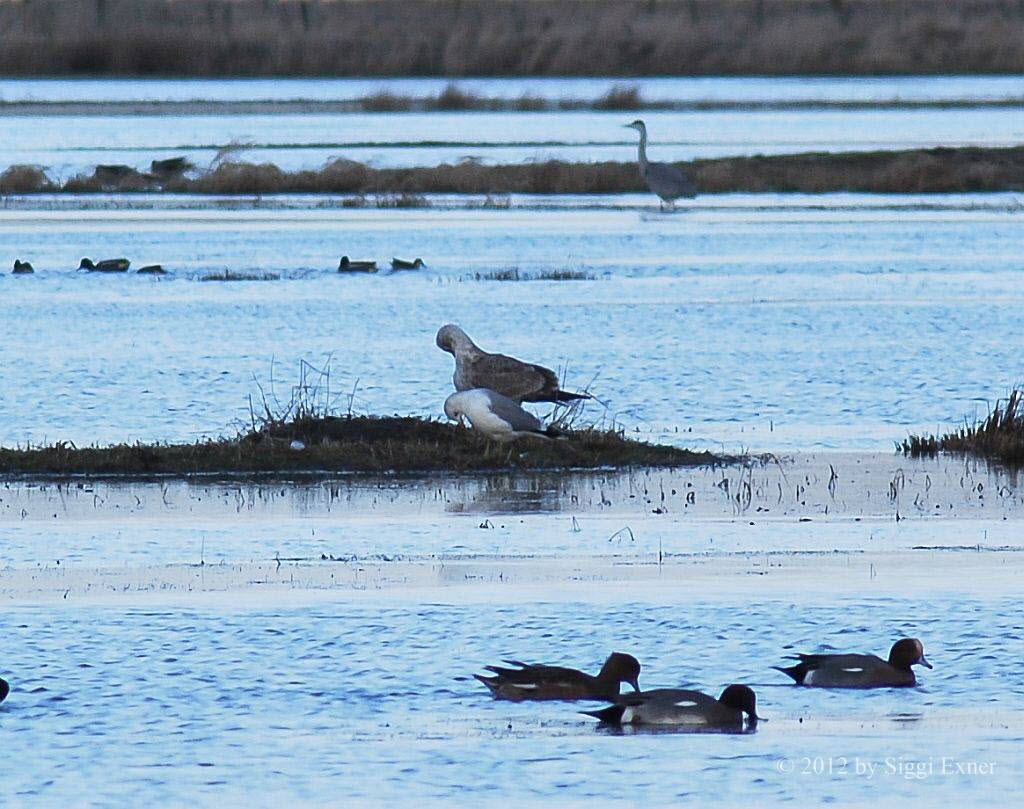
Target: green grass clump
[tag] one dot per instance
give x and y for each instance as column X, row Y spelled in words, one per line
column 999, row 436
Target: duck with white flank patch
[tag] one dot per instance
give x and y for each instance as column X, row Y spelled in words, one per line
column 860, row 671
column 676, row 707
column 531, row 681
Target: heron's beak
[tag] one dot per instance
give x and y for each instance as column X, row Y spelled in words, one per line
column 924, row 662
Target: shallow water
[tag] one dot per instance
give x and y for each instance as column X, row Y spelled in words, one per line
column 180, row 705
column 877, row 503
column 308, row 138
column 193, row 645
column 839, row 321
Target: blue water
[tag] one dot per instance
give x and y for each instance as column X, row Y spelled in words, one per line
column 374, row 702
column 747, row 321
column 744, row 322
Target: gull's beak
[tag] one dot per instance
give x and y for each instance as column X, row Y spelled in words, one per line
column 924, row 662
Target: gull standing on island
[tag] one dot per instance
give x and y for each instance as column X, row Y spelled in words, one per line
column 519, row 381
column 495, row 416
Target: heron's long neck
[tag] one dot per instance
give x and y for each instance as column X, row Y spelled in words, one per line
column 643, row 150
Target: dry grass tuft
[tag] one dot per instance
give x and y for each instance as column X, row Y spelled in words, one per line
column 621, row 98
column 25, row 179
column 999, row 436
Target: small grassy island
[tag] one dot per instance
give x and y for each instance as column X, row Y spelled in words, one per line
column 350, row 444
column 997, row 437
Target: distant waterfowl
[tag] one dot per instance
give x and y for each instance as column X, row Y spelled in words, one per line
column 530, row 681
column 5, row 689
column 499, row 418
column 664, row 179
column 22, row 268
column 170, row 167
column 672, row 706
column 521, row 381
column 107, row 265
column 858, row 670
column 402, row 264
column 151, row 269
column 347, row 265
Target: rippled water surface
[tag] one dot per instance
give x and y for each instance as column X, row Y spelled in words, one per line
column 309, row 642
column 750, row 321
column 374, row 702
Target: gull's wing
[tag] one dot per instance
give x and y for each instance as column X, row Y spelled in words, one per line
column 513, row 378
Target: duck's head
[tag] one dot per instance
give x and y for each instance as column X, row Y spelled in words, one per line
column 624, row 667
column 906, row 653
column 742, row 698
column 343, row 263
column 86, row 264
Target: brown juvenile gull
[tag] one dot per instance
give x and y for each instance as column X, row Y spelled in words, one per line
column 495, row 416
column 520, row 381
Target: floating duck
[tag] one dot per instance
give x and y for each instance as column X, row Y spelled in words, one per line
column 674, row 706
column 402, row 264
column 536, row 682
column 107, row 265
column 860, row 671
column 170, row 167
column 22, row 267
column 151, row 269
column 5, row 689
column 347, row 265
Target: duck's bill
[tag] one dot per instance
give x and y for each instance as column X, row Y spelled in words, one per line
column 636, row 685
column 924, row 662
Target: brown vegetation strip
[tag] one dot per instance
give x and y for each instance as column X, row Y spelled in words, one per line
column 630, row 99
column 357, row 444
column 510, row 37
column 999, row 436
column 910, row 171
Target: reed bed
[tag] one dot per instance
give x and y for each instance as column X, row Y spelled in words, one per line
column 938, row 170
column 999, row 436
column 510, row 37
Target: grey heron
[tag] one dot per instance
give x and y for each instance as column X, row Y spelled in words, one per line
column 520, row 381
column 664, row 179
